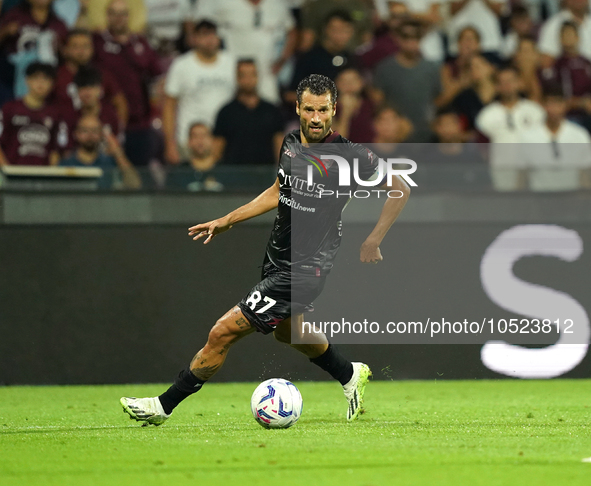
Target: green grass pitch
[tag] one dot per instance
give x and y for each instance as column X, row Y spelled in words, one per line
column 415, row 433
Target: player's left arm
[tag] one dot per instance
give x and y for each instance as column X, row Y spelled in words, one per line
column 370, row 249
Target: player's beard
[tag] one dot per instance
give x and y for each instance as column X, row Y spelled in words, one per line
column 312, row 136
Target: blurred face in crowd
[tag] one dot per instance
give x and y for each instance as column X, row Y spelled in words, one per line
column 79, row 49
column 527, row 52
column 468, row 43
column 508, row 84
column 349, row 82
column 480, row 69
column 569, row 39
column 448, row 128
column 200, row 141
column 556, row 108
column 338, row 34
column 89, row 133
column 90, row 96
column 39, row 85
column 247, row 78
column 315, row 112
column 118, row 17
column 206, row 41
column 387, row 125
column 522, row 24
column 409, row 39
column 398, row 12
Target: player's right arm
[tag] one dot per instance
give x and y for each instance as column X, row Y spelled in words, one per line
column 263, row 203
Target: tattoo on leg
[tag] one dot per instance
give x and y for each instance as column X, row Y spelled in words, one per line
column 206, row 372
column 242, row 323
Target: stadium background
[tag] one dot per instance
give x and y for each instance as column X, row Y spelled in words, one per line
column 109, row 270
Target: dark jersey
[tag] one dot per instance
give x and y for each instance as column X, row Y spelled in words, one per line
column 28, row 136
column 307, row 231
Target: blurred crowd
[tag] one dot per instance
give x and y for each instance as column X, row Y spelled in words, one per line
column 162, row 93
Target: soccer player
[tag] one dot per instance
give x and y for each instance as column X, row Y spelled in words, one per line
column 300, row 253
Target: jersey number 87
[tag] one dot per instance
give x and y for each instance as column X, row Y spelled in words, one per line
column 255, row 298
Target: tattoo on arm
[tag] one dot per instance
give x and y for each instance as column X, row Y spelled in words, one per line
column 242, row 323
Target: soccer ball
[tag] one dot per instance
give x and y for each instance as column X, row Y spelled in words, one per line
column 276, row 404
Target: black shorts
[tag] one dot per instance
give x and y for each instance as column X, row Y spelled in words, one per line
column 279, row 295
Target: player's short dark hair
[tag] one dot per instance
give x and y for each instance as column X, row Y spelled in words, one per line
column 338, row 14
column 205, row 24
column 88, row 76
column 318, row 85
column 470, row 28
column 40, row 68
column 76, row 32
column 569, row 24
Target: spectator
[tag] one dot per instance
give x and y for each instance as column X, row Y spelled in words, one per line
column 456, row 74
column 89, row 136
column 385, row 45
column 134, row 65
column 262, row 30
column 527, row 63
column 427, row 13
column 484, row 16
column 481, row 91
column 29, row 125
column 77, row 52
column 558, row 153
column 409, row 83
column 520, row 26
column 450, row 138
column 390, row 131
column 315, row 13
column 197, row 172
column 572, row 72
column 89, row 86
column 249, row 130
column 354, row 117
column 574, row 11
column 330, row 56
column 97, row 15
column 503, row 122
column 168, row 23
column 28, row 32
column 198, row 84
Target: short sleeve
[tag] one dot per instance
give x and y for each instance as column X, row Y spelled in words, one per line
column 172, row 85
column 368, row 162
column 222, row 126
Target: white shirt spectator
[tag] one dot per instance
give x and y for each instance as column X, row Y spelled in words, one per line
column 252, row 31
column 549, row 42
column 477, row 14
column 201, row 89
column 504, row 128
column 555, row 160
column 165, row 18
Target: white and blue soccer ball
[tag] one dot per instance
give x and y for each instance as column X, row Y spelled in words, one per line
column 276, row 404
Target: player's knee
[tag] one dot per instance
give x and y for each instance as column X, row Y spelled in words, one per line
column 220, row 334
